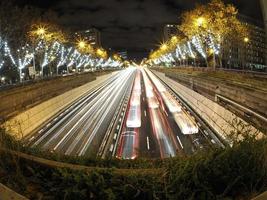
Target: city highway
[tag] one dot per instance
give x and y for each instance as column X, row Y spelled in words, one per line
column 158, row 125
column 79, row 129
column 131, row 115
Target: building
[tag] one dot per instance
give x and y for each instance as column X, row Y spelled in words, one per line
column 170, row 30
column 91, row 35
column 264, row 12
column 123, row 55
column 249, row 54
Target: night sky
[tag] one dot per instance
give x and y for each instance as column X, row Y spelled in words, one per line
column 132, row 25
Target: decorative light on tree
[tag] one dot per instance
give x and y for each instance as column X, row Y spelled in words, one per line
column 199, row 46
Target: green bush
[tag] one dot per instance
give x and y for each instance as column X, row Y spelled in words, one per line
column 239, row 172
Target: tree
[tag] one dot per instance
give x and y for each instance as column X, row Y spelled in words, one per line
column 215, row 24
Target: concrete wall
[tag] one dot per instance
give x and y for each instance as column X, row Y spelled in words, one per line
column 253, row 99
column 27, row 121
column 222, row 120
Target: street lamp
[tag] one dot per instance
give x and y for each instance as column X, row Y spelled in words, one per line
column 102, row 53
column 163, row 47
column 246, row 39
column 174, row 39
column 200, row 21
column 41, row 31
column 81, row 44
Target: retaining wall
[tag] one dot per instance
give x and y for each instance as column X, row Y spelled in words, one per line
column 220, row 119
column 26, row 122
column 250, row 98
column 15, row 99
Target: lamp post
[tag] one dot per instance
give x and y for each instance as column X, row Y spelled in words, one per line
column 246, row 41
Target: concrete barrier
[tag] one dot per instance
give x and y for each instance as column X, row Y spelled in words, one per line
column 26, row 122
column 220, row 119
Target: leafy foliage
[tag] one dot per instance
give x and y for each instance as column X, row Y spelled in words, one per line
column 239, row 172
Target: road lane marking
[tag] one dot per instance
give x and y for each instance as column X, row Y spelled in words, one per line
column 48, row 125
column 31, row 138
column 206, row 132
column 147, row 143
column 166, row 113
column 180, row 142
column 111, row 147
column 55, row 119
column 41, row 131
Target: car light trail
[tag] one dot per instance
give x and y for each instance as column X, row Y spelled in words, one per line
column 160, row 127
column 184, row 121
column 129, row 140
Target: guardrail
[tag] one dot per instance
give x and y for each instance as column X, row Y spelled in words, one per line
column 218, row 97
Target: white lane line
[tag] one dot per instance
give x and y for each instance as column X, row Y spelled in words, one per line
column 48, row 125
column 31, row 138
column 180, row 142
column 41, row 131
column 166, row 113
column 55, row 119
column 147, row 143
column 111, row 147
column 60, row 114
column 115, row 136
column 145, row 113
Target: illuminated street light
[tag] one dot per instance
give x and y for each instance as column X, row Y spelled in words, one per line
column 163, row 47
column 99, row 52
column 102, row 53
column 81, row 44
column 41, row 31
column 200, row 21
column 246, row 39
column 174, row 39
column 211, row 51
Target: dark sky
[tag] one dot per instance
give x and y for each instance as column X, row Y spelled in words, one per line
column 133, row 25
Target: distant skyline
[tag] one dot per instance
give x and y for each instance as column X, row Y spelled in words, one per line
column 132, row 25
